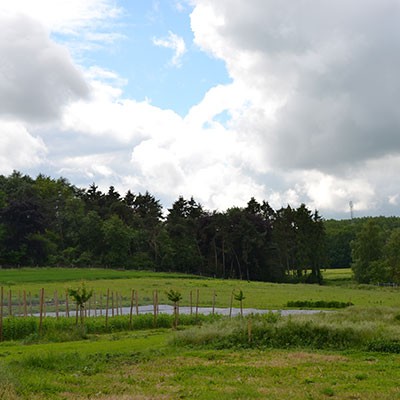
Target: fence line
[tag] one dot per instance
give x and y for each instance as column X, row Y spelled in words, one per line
column 23, row 304
column 44, row 304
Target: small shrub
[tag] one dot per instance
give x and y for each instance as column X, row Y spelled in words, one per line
column 318, row 304
column 239, row 297
column 361, row 377
column 81, row 295
column 329, row 392
column 175, row 297
column 384, row 346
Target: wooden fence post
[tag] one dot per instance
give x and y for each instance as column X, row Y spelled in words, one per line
column 230, row 307
column 197, row 303
column 44, row 307
column 30, row 303
column 107, row 300
column 213, row 303
column 155, row 307
column 137, row 301
column 158, row 308
column 131, row 309
column 191, row 303
column 25, row 305
column 9, row 303
column 41, row 310
column 56, row 302
column 66, row 304
column 19, row 303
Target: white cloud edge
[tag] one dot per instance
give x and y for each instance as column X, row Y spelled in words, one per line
column 175, row 43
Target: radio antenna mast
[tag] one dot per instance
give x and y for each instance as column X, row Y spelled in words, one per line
column 351, row 209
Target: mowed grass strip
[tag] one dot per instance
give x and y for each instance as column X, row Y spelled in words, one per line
column 261, row 295
column 142, row 366
column 13, row 277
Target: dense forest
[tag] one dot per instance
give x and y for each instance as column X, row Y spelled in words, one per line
column 369, row 245
column 49, row 222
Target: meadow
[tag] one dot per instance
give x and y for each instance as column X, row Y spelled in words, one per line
column 347, row 354
column 263, row 295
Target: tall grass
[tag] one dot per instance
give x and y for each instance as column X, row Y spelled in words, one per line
column 355, row 329
column 65, row 329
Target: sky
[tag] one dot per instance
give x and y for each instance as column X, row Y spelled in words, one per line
column 286, row 101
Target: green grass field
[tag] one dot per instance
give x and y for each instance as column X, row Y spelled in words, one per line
column 258, row 294
column 146, row 364
column 143, row 366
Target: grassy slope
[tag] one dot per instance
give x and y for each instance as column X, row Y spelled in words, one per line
column 258, row 294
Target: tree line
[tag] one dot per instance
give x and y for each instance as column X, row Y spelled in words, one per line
column 376, row 253
column 50, row 222
column 369, row 245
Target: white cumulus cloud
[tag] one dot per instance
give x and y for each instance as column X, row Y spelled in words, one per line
column 18, row 148
column 175, row 43
column 64, row 16
column 37, row 76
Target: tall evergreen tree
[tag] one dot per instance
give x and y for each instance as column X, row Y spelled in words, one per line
column 182, row 225
column 366, row 252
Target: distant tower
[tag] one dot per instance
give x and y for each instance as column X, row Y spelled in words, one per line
column 351, row 209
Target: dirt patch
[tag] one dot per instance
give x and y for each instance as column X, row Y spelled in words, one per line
column 7, row 392
column 269, row 359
